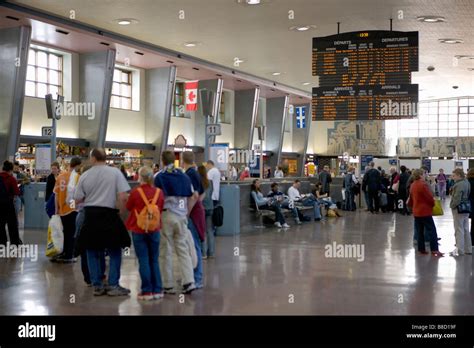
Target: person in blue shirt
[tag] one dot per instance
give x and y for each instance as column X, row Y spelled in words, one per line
column 179, row 201
column 284, row 201
column 267, row 203
column 196, row 220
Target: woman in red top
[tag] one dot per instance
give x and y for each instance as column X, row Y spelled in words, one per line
column 422, row 202
column 146, row 243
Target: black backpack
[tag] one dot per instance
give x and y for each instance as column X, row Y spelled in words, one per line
column 4, row 197
column 218, row 216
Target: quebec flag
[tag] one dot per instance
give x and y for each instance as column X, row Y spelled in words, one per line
column 300, row 117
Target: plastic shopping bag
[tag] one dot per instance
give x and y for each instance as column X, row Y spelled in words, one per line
column 438, row 208
column 55, row 237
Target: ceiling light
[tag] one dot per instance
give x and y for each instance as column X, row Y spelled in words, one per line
column 306, row 83
column 252, row 2
column 431, row 19
column 192, row 44
column 451, row 41
column 126, row 21
column 238, row 60
column 302, row 27
column 462, row 56
column 276, row 73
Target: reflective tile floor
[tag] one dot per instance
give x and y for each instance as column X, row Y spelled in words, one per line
column 275, row 272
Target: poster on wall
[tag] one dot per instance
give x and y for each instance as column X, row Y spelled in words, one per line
column 42, row 159
column 427, row 163
column 459, row 164
column 292, row 167
column 364, row 162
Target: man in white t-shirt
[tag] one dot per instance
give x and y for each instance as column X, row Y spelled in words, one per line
column 214, row 176
column 305, row 200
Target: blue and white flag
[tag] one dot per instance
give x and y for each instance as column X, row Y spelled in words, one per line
column 300, row 117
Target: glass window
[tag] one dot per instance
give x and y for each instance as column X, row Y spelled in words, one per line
column 471, row 109
column 452, row 132
column 44, row 74
column 178, row 100
column 443, row 133
column 463, row 102
column 433, row 133
column 463, row 118
column 443, row 118
column 463, row 132
column 443, row 125
column 453, row 110
column 463, row 125
column 471, row 132
column 122, row 90
column 453, row 102
column 424, row 133
column 463, row 109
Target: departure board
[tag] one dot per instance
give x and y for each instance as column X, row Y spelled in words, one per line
column 365, row 102
column 365, row 59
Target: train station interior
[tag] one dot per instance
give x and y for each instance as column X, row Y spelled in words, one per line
column 342, row 132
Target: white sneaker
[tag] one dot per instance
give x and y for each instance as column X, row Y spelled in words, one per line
column 455, row 253
column 277, row 224
column 298, row 222
column 285, row 225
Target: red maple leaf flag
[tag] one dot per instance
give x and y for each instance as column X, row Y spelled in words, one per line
column 191, row 88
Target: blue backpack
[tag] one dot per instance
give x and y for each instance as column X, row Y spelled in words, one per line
column 51, row 205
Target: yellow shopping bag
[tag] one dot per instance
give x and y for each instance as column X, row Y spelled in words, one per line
column 438, row 208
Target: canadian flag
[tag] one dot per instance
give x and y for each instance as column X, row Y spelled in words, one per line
column 191, row 88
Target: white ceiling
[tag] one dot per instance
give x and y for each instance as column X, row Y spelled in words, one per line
column 260, row 34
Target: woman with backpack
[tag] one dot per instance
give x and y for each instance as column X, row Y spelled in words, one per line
column 145, row 204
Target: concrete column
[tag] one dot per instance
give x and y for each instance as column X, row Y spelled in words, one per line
column 277, row 110
column 96, row 72
column 200, row 121
column 246, row 109
column 160, row 86
column 14, row 45
column 301, row 137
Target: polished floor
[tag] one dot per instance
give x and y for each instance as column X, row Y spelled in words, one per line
column 275, row 272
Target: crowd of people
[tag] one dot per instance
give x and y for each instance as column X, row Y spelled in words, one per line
column 414, row 192
column 168, row 220
column 170, row 214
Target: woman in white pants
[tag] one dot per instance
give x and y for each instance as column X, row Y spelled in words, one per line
column 460, row 194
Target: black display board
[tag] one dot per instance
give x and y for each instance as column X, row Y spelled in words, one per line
column 360, row 70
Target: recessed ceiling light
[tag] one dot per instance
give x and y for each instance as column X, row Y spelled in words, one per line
column 192, row 44
column 252, row 2
column 126, row 21
column 238, row 60
column 451, row 41
column 464, row 56
column 302, row 27
column 431, row 19
column 276, row 73
column 306, row 83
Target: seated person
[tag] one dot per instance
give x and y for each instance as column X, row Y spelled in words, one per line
column 307, row 200
column 284, row 202
column 325, row 200
column 267, row 203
